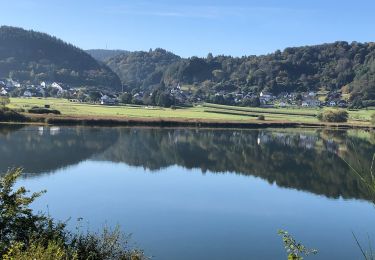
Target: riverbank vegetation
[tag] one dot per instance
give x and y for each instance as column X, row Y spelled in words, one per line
column 337, row 116
column 26, row 235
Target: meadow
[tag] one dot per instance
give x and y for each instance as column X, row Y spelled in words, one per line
column 210, row 112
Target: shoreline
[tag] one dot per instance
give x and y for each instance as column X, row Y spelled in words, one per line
column 178, row 122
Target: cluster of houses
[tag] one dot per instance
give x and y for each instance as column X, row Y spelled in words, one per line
column 7, row 85
column 11, row 87
column 307, row 99
column 284, row 99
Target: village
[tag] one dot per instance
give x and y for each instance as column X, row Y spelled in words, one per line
column 179, row 95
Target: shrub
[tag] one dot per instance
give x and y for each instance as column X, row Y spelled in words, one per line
column 294, row 248
column 333, row 116
column 9, row 115
column 53, row 251
column 42, row 110
column 373, row 119
column 4, row 101
column 261, row 117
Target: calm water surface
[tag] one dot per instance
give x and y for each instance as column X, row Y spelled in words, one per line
column 202, row 194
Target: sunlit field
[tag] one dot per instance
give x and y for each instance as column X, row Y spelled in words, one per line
column 204, row 112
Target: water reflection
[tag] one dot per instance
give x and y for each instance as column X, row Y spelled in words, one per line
column 308, row 160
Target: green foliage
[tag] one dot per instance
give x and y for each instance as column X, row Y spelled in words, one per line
column 251, row 102
column 107, row 245
column 126, row 98
column 105, row 55
column 4, row 101
column 43, row 110
column 10, row 115
column 25, row 235
column 329, row 66
column 335, row 116
column 53, row 251
column 94, row 96
column 17, row 221
column 261, row 117
column 294, row 248
column 34, row 57
column 373, row 119
column 142, row 69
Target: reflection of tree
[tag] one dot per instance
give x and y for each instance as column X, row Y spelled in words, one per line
column 48, row 150
column 307, row 161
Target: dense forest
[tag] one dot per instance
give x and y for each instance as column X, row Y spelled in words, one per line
column 337, row 66
column 30, row 56
column 105, row 55
column 142, row 69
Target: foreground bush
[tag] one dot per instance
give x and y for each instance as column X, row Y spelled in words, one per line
column 43, row 110
column 25, row 235
column 336, row 116
column 9, row 115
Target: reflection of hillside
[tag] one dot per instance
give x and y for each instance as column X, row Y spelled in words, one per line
column 308, row 160
column 303, row 161
column 40, row 150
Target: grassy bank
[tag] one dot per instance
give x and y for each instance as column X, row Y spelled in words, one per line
column 210, row 115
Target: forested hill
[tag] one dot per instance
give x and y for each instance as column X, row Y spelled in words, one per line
column 104, row 55
column 338, row 65
column 35, row 57
column 143, row 69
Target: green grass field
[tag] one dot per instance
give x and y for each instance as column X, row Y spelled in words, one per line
column 203, row 112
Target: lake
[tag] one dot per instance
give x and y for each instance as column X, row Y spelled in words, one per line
column 202, row 193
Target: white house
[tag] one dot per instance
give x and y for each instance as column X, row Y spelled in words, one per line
column 282, row 104
column 265, row 95
column 332, row 103
column 27, row 93
column 312, row 94
column 57, row 86
column 3, row 92
column 106, row 100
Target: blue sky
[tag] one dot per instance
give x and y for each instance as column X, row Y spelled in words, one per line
column 195, row 27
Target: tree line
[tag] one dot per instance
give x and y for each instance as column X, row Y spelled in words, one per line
column 339, row 66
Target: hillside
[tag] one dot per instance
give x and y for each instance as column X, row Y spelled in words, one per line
column 30, row 56
column 142, row 69
column 104, row 55
column 335, row 66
